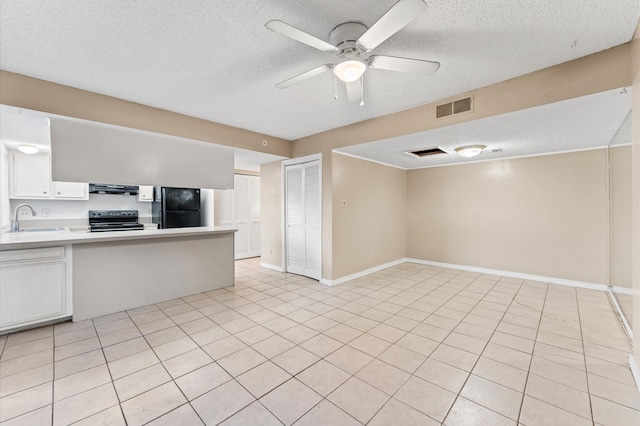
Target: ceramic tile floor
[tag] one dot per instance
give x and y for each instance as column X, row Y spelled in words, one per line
column 409, row 345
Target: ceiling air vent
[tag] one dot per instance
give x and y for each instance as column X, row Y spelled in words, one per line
column 426, row 152
column 455, row 107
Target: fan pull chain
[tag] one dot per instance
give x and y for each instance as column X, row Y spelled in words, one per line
column 335, row 87
column 362, row 90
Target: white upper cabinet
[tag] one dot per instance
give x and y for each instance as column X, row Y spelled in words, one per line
column 145, row 193
column 73, row 190
column 30, row 176
column 31, row 179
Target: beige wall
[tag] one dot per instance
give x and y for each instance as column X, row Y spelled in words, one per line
column 543, row 215
column 271, row 213
column 620, row 216
column 39, row 95
column 327, row 215
column 370, row 230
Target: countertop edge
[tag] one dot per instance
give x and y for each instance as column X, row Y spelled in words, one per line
column 26, row 241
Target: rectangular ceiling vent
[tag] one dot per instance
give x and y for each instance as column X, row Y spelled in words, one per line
column 426, row 152
column 456, row 107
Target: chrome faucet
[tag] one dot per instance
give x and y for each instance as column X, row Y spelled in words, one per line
column 15, row 226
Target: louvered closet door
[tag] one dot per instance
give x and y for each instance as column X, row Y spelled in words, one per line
column 303, row 219
column 313, row 217
column 295, row 219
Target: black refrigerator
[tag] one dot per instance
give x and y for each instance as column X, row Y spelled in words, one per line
column 176, row 207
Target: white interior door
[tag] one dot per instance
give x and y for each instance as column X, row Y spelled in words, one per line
column 253, row 206
column 303, row 216
column 240, row 208
column 242, row 217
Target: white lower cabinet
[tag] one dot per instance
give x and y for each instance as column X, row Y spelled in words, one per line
column 35, row 286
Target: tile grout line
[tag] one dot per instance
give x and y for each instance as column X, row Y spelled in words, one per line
column 458, row 395
column 526, row 382
column 584, row 358
column 351, row 375
column 164, row 368
column 406, row 332
column 426, row 358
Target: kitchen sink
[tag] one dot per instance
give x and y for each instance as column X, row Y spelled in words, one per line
column 42, row 229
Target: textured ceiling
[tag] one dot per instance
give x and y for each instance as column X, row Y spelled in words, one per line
column 587, row 122
column 19, row 125
column 215, row 60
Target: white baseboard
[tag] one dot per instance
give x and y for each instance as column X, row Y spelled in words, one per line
column 524, row 276
column 551, row 280
column 272, row 267
column 361, row 273
column 622, row 290
column 618, row 309
column 634, row 371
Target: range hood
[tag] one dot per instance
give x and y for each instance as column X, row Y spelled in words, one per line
column 104, row 188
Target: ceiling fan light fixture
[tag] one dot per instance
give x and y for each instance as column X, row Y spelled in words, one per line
column 470, row 150
column 350, row 70
column 27, row 148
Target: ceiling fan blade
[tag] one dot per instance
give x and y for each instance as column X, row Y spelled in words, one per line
column 304, row 76
column 391, row 63
column 354, row 90
column 295, row 34
column 391, row 22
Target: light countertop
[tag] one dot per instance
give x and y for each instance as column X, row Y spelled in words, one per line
column 25, row 240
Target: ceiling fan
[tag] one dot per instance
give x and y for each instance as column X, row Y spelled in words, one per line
column 351, row 41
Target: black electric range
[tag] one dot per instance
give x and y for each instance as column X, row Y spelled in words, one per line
column 113, row 220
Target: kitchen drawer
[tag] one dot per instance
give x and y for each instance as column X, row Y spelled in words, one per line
column 32, row 254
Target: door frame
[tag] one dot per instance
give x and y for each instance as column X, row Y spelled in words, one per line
column 283, row 165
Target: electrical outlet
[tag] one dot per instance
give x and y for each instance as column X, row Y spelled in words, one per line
column 46, row 212
column 24, row 213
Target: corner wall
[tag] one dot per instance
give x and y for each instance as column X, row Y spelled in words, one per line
column 620, row 216
column 370, row 230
